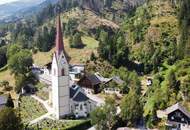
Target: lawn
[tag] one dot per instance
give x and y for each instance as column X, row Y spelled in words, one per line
column 6, row 75
column 30, row 109
column 42, row 58
column 78, row 56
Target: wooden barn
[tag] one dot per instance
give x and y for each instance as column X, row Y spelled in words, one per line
column 90, row 83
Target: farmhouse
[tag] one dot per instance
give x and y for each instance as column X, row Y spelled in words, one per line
column 177, row 117
column 90, row 83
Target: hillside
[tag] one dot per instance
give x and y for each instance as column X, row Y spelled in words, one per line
column 9, row 9
column 42, row 58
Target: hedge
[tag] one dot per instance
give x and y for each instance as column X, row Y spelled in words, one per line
column 82, row 126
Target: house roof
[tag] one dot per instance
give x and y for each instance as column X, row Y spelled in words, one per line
column 93, row 78
column 101, row 78
column 175, row 107
column 166, row 112
column 118, row 80
column 3, row 99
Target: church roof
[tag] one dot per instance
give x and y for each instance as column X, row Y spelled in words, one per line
column 77, row 95
column 59, row 39
column 73, row 90
column 80, row 97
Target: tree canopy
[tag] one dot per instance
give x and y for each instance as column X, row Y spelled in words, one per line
column 9, row 120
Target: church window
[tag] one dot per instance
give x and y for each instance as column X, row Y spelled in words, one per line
column 81, row 107
column 76, row 106
column 62, row 72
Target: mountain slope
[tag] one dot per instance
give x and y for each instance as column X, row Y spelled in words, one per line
column 11, row 8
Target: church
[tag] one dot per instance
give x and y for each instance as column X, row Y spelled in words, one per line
column 65, row 97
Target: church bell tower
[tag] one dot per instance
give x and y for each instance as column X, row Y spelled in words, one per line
column 60, row 77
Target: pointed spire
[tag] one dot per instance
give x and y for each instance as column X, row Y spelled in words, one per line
column 59, row 40
column 59, row 37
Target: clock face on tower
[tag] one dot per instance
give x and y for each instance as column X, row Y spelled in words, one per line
column 62, row 62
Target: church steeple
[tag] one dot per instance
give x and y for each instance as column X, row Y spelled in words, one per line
column 60, row 77
column 59, row 40
column 59, row 37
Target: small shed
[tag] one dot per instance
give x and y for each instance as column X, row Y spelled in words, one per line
column 5, row 100
column 29, row 89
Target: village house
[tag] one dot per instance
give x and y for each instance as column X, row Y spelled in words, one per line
column 76, row 72
column 177, row 117
column 90, row 83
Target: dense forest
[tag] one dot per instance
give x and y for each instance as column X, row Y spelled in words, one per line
column 152, row 39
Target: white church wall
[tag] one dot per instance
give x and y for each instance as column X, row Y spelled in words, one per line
column 80, row 109
column 63, row 101
column 63, row 91
column 64, row 80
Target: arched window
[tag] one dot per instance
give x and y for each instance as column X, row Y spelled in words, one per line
column 62, row 72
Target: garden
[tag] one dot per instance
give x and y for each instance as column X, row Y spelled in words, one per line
column 30, row 109
column 43, row 91
column 48, row 124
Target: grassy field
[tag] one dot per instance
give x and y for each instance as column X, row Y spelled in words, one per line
column 6, row 75
column 77, row 55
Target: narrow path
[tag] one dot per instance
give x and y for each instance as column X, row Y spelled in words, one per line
column 45, row 103
column 40, row 118
column 47, row 115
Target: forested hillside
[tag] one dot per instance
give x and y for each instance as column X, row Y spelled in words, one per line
column 134, row 39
